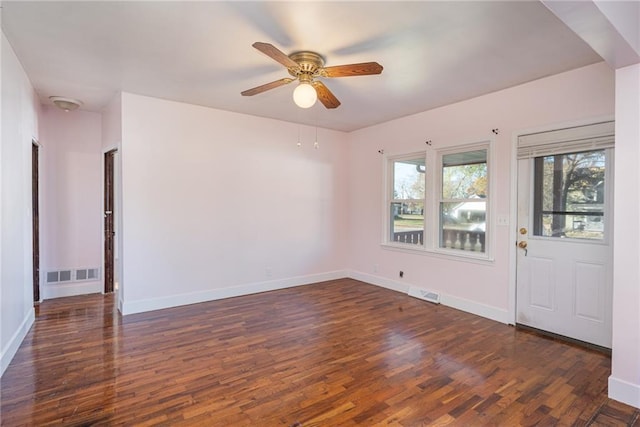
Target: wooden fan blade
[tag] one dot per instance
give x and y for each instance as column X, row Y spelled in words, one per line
column 325, row 96
column 276, row 54
column 259, row 89
column 362, row 69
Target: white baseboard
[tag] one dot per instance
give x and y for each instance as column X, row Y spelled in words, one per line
column 120, row 302
column 479, row 309
column 624, row 391
column 483, row 310
column 379, row 281
column 140, row 306
column 14, row 343
column 71, row 289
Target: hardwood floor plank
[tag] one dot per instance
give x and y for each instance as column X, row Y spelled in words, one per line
column 334, row 353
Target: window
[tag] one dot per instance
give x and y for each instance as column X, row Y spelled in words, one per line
column 439, row 201
column 569, row 195
column 463, row 200
column 406, row 208
column 571, row 173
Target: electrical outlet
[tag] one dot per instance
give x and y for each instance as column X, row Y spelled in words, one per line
column 401, row 274
column 375, row 268
column 268, row 272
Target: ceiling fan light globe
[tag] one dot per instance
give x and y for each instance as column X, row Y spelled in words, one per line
column 305, row 95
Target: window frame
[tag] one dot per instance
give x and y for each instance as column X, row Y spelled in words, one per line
column 389, row 199
column 439, row 199
column 432, row 199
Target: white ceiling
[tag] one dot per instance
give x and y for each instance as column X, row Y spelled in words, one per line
column 433, row 53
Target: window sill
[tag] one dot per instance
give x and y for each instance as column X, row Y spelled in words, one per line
column 450, row 254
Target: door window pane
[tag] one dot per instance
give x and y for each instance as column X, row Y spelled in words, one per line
column 569, row 195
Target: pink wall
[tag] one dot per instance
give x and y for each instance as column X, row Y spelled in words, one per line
column 624, row 383
column 218, row 203
column 71, row 186
column 478, row 287
column 19, row 126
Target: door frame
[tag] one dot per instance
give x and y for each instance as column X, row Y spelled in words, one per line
column 35, row 220
column 513, row 214
column 109, row 265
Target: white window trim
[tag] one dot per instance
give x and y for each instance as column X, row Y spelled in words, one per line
column 433, row 185
column 387, row 199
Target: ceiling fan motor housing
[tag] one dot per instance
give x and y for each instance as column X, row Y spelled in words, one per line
column 309, row 65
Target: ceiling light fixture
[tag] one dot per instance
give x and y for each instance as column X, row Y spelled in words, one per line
column 66, row 104
column 305, row 95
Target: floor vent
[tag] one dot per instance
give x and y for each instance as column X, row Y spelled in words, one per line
column 424, row 294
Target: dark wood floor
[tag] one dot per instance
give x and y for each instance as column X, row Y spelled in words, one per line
column 338, row 353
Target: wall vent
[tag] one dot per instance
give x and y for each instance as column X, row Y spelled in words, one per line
column 60, row 276
column 424, row 294
column 76, row 275
column 87, row 274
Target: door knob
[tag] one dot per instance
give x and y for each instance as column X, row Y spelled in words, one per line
column 522, row 245
column 523, row 230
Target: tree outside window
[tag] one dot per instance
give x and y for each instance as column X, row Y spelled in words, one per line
column 569, row 195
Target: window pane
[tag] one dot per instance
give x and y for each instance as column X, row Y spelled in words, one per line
column 407, row 222
column 464, row 175
column 406, row 216
column 463, row 225
column 408, row 179
column 569, row 195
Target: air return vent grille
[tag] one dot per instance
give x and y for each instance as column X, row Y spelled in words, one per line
column 87, row 274
column 73, row 275
column 59, row 276
column 424, row 294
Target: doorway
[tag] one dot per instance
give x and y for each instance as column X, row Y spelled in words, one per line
column 109, row 221
column 564, row 261
column 35, row 219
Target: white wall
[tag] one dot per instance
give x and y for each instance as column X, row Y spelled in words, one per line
column 112, row 123
column 481, row 288
column 624, row 383
column 71, row 187
column 111, row 138
column 218, row 204
column 19, row 118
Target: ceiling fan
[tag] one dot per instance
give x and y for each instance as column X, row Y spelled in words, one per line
column 306, row 67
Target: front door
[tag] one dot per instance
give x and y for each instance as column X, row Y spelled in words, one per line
column 565, row 252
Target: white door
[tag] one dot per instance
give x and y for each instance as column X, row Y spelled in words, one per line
column 565, row 253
